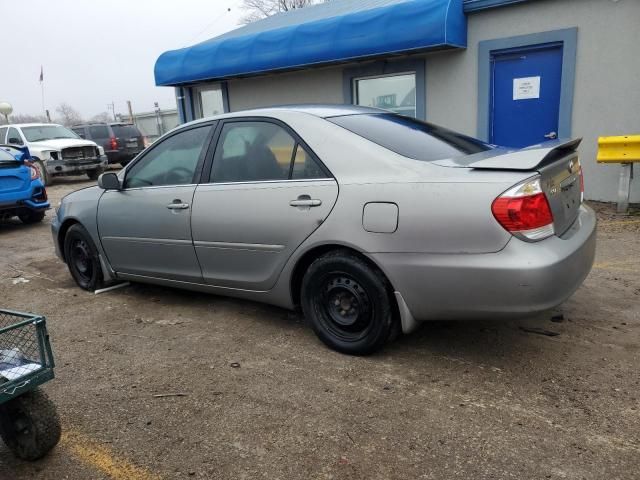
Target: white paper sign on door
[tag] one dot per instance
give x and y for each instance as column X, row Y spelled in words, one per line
column 525, row 88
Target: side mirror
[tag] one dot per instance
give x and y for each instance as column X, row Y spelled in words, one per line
column 15, row 141
column 109, row 181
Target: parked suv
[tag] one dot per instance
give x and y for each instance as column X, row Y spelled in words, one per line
column 56, row 150
column 121, row 141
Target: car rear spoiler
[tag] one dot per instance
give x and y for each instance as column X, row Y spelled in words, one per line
column 13, row 149
column 529, row 158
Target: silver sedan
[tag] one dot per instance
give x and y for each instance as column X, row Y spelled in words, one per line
column 370, row 221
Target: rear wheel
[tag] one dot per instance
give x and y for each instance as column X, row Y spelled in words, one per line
column 82, row 259
column 31, row 216
column 29, row 425
column 44, row 176
column 348, row 303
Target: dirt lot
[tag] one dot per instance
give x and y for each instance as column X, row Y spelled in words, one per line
column 264, row 399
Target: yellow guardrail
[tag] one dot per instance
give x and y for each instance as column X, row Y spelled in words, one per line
column 623, row 148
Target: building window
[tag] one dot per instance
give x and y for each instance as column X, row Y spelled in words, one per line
column 396, row 93
column 397, row 86
column 209, row 101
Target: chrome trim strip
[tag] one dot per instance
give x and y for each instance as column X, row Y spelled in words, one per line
column 154, row 241
column 260, row 247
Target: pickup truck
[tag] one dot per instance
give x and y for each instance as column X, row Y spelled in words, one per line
column 56, row 150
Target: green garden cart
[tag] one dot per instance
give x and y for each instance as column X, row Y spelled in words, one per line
column 29, row 422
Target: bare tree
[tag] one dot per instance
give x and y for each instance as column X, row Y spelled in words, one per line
column 24, row 118
column 259, row 9
column 68, row 115
column 103, row 117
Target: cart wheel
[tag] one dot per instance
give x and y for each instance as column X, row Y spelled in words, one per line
column 29, row 425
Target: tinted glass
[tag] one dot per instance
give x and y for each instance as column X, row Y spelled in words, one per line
column 304, row 166
column 79, row 131
column 394, row 92
column 252, row 151
column 14, row 137
column 125, row 131
column 410, row 137
column 47, row 132
column 171, row 162
column 3, row 134
column 99, row 131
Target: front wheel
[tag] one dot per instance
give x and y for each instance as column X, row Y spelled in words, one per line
column 82, row 259
column 95, row 173
column 29, row 425
column 348, row 303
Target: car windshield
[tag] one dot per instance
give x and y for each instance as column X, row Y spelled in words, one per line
column 410, row 137
column 47, row 132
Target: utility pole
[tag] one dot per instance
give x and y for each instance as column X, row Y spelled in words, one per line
column 158, row 119
column 112, row 106
column 130, row 111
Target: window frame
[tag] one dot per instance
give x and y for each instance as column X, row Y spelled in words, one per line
column 386, row 68
column 355, row 94
column 199, row 165
column 208, row 166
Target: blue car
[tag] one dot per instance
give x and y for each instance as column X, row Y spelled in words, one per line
column 22, row 192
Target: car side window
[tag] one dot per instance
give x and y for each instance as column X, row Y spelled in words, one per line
column 252, row 151
column 305, row 167
column 172, row 161
column 14, row 137
column 3, row 134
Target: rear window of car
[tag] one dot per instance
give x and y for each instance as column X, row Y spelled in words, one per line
column 125, row 131
column 6, row 156
column 99, row 131
column 410, row 137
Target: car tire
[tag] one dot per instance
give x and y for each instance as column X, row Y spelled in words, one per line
column 348, row 303
column 82, row 258
column 44, row 175
column 30, row 425
column 31, row 217
column 95, row 173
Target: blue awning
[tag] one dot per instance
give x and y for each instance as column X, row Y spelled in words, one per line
column 332, row 32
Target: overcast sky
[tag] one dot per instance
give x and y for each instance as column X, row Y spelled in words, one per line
column 97, row 51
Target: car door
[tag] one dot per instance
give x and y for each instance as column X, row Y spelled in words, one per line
column 145, row 228
column 265, row 195
column 14, row 137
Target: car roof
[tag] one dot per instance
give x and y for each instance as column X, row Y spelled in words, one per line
column 32, row 125
column 317, row 110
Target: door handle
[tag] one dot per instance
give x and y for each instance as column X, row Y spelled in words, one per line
column 551, row 135
column 305, row 201
column 177, row 205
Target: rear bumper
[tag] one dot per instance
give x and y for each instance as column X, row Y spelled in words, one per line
column 521, row 280
column 62, row 167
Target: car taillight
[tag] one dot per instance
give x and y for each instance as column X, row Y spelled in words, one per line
column 113, row 142
column 35, row 173
column 524, row 211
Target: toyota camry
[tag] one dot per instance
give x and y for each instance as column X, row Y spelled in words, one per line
column 371, row 222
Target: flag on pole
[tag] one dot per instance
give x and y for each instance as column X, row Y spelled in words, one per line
column 41, row 74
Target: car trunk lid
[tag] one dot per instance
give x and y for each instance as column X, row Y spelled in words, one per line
column 556, row 162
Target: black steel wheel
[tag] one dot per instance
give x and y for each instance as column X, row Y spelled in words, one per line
column 348, row 303
column 82, row 258
column 29, row 425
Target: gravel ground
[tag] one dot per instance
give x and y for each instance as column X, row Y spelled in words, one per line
column 264, row 399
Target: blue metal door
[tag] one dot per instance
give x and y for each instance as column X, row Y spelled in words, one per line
column 525, row 95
